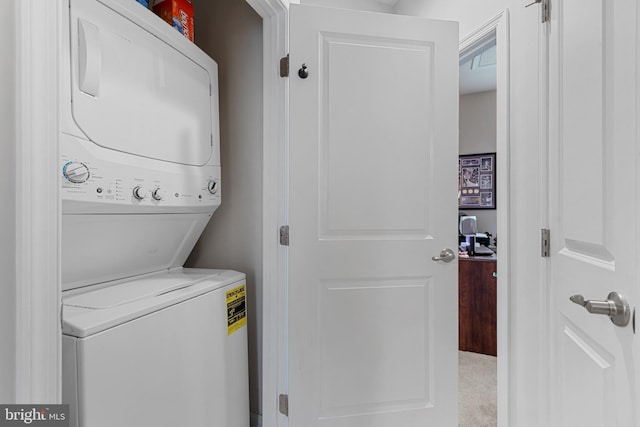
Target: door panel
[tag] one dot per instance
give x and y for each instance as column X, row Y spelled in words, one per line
column 588, row 366
column 372, row 198
column 392, row 314
column 583, row 123
column 351, row 204
column 593, row 208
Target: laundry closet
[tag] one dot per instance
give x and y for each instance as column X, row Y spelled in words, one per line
column 141, row 177
column 231, row 33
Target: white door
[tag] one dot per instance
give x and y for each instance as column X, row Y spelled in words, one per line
column 373, row 155
column 594, row 209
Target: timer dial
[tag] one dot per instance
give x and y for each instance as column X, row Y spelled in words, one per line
column 139, row 192
column 213, row 186
column 157, row 194
column 76, row 172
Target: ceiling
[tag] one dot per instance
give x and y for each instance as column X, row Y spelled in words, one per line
column 372, row 5
column 478, row 73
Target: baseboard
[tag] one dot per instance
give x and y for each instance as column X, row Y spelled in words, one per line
column 256, row 420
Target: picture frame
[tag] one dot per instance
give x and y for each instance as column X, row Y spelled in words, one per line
column 477, row 181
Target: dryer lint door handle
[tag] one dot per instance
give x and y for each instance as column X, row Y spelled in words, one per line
column 89, row 58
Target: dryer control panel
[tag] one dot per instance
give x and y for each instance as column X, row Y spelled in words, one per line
column 111, row 181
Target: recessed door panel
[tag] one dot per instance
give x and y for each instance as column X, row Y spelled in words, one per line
column 584, row 126
column 375, row 345
column 587, row 365
column 368, row 121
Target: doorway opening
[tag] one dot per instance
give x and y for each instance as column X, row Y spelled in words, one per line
column 477, row 270
column 483, row 279
column 274, row 378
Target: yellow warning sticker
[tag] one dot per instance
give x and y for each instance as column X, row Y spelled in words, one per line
column 236, row 309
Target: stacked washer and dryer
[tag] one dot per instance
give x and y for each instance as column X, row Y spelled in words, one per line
column 146, row 342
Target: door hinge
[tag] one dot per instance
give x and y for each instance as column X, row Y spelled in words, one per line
column 545, row 243
column 544, row 9
column 284, row 235
column 283, row 404
column 544, row 12
column 284, row 66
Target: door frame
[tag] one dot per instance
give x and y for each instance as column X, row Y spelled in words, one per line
column 275, row 164
column 274, row 381
column 38, row 329
column 497, row 29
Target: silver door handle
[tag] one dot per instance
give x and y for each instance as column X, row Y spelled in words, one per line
column 616, row 307
column 446, row 255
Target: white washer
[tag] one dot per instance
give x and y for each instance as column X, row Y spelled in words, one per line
column 146, row 343
column 164, row 350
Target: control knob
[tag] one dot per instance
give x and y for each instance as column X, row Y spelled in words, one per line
column 212, row 186
column 139, row 192
column 157, row 194
column 76, row 172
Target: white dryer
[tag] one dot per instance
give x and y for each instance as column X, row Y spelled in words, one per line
column 146, row 342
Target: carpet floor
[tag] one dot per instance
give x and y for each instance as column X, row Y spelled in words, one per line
column 477, row 387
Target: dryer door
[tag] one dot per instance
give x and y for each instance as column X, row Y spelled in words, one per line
column 139, row 88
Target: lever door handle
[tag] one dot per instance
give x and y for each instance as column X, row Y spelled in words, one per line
column 615, row 306
column 446, row 255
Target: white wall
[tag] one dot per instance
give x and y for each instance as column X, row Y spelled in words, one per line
column 527, row 325
column 478, row 123
column 231, row 33
column 478, row 135
column 7, row 207
column 470, row 13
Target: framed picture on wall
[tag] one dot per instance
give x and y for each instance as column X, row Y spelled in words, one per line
column 477, row 181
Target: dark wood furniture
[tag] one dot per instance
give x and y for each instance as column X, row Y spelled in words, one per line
column 477, row 305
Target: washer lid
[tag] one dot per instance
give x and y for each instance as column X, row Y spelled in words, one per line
column 90, row 312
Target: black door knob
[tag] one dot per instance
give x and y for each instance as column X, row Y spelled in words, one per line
column 303, row 72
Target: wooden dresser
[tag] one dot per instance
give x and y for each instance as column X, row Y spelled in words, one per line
column 477, row 304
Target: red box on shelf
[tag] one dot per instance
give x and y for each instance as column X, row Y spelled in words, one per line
column 177, row 13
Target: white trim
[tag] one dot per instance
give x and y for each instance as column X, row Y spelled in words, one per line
column 544, row 267
column 498, row 28
column 38, row 333
column 274, row 15
column 477, row 39
column 504, row 223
